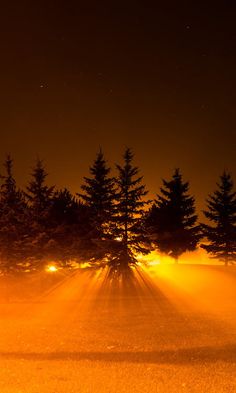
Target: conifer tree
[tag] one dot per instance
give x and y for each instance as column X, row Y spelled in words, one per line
column 98, row 197
column 86, row 245
column 172, row 219
column 39, row 197
column 221, row 211
column 64, row 208
column 130, row 231
column 63, row 220
column 13, row 223
column 38, row 194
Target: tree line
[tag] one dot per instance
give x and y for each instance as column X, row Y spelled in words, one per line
column 110, row 221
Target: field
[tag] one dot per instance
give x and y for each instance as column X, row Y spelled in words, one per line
column 163, row 329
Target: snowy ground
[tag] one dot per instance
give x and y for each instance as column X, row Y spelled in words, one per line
column 172, row 329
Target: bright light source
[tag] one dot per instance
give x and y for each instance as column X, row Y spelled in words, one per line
column 52, row 269
column 84, row 265
column 118, row 239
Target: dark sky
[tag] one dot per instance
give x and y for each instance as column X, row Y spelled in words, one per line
column 159, row 77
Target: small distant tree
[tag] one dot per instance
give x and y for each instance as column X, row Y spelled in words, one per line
column 221, row 211
column 63, row 222
column 39, row 198
column 63, row 208
column 130, row 230
column 172, row 219
column 13, row 222
column 98, row 196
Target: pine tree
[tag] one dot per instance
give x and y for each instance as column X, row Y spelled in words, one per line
column 130, row 231
column 39, row 197
column 221, row 236
column 13, row 223
column 172, row 219
column 98, row 197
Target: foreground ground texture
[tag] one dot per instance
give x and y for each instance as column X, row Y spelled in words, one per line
column 165, row 329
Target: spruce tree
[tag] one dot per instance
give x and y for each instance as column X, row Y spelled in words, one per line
column 172, row 219
column 13, row 222
column 130, row 231
column 38, row 194
column 221, row 211
column 39, row 197
column 86, row 245
column 98, row 197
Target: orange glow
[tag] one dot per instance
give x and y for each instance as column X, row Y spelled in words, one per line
column 51, row 268
column 198, row 257
column 84, row 265
column 153, row 258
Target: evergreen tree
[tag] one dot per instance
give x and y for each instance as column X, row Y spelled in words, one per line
column 63, row 221
column 172, row 219
column 130, row 231
column 39, row 197
column 98, row 197
column 86, row 245
column 63, row 208
column 221, row 236
column 13, row 223
column 38, row 194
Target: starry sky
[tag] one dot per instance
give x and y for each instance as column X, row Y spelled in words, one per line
column 159, row 77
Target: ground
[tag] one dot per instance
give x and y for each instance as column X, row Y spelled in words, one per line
column 162, row 329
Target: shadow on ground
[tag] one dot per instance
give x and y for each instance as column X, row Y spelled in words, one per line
column 180, row 356
column 130, row 287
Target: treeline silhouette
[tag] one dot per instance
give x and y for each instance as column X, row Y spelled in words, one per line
column 110, row 221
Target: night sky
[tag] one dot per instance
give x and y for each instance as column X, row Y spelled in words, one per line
column 159, row 77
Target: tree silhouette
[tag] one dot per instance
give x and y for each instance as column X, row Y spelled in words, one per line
column 63, row 208
column 85, row 245
column 13, row 222
column 172, row 219
column 62, row 219
column 130, row 231
column 221, row 211
column 38, row 194
column 39, row 197
column 99, row 196
column 109, row 223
